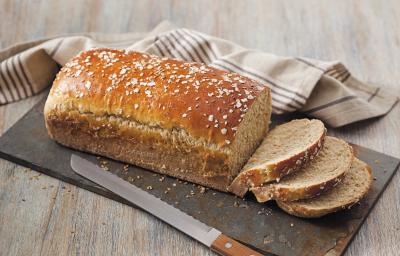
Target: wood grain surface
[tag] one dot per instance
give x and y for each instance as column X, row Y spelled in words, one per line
column 40, row 215
column 229, row 247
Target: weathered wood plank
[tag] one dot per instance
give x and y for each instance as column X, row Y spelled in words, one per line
column 365, row 36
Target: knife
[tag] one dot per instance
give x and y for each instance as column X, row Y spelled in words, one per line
column 206, row 235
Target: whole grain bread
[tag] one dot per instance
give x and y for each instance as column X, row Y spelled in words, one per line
column 322, row 173
column 187, row 120
column 354, row 186
column 285, row 150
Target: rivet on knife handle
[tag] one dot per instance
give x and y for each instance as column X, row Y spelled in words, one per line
column 226, row 246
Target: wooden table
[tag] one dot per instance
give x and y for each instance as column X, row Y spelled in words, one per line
column 42, row 215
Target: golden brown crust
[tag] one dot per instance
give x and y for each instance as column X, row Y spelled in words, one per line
column 204, row 101
column 257, row 176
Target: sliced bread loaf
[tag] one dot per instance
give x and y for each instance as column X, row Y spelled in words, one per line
column 284, row 150
column 354, row 186
column 323, row 173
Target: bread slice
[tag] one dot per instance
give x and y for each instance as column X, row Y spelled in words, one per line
column 284, row 150
column 354, row 186
column 321, row 174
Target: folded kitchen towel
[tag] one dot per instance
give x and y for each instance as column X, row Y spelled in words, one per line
column 325, row 90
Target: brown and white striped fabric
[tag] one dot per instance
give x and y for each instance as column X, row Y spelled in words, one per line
column 325, row 90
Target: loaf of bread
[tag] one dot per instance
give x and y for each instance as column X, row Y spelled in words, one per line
column 186, row 120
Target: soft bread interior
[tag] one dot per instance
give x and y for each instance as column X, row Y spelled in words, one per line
column 251, row 131
column 285, row 141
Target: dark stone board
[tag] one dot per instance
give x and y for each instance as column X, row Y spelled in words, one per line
column 263, row 226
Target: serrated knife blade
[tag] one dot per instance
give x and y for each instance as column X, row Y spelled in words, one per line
column 208, row 236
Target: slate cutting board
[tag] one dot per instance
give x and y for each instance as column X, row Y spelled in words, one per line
column 263, row 226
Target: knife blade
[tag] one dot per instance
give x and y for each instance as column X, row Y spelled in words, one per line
column 208, row 236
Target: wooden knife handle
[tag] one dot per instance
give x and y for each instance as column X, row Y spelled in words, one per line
column 226, row 246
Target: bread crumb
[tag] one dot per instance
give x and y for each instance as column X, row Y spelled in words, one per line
column 202, row 190
column 268, row 239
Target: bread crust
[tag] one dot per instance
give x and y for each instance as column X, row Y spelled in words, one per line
column 257, row 176
column 300, row 211
column 170, row 116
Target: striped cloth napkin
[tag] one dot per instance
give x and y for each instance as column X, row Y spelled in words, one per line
column 324, row 90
